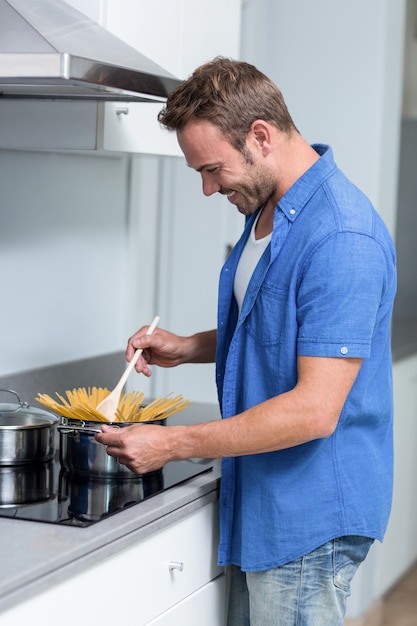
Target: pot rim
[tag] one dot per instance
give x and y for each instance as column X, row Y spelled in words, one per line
column 83, row 424
column 43, row 423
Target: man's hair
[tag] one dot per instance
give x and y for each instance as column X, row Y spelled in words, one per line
column 229, row 94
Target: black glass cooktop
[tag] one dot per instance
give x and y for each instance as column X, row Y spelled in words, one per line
column 44, row 492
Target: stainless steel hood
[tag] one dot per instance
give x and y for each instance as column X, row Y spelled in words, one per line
column 50, row 50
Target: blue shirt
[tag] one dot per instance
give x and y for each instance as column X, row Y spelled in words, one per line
column 324, row 287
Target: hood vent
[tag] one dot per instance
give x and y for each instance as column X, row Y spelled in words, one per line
column 50, row 50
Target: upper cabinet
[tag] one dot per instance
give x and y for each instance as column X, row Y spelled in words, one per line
column 176, row 34
column 179, row 35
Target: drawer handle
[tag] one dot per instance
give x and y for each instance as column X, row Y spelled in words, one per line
column 178, row 565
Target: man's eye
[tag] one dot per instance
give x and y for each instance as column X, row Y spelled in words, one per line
column 212, row 170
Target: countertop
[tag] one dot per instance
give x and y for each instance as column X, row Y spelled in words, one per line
column 36, row 555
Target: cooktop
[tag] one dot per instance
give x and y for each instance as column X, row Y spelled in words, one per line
column 44, row 492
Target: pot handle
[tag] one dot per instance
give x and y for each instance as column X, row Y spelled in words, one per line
column 72, row 429
column 21, row 405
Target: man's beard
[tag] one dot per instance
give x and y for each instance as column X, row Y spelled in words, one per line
column 255, row 190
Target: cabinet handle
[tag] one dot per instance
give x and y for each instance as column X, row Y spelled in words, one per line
column 122, row 111
column 178, row 565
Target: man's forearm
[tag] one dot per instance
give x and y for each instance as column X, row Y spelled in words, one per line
column 203, row 347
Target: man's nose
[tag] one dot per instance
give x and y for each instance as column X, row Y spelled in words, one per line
column 210, row 186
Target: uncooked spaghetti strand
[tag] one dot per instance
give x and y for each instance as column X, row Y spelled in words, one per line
column 153, row 410
column 175, row 409
column 156, row 404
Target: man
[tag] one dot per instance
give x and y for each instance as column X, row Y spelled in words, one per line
column 302, row 351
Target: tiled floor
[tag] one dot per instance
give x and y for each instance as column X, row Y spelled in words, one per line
column 400, row 606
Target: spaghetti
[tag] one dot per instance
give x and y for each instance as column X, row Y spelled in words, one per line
column 81, row 404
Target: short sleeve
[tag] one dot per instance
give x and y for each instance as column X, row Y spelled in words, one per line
column 339, row 296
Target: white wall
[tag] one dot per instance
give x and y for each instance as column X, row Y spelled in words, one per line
column 339, row 66
column 62, row 257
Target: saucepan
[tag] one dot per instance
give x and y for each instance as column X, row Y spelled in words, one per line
column 82, row 455
column 27, row 434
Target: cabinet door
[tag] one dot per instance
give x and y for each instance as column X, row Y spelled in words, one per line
column 398, row 551
column 91, row 8
column 205, row 607
column 179, row 35
column 133, row 127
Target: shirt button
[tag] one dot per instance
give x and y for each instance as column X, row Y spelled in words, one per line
column 344, row 350
column 292, row 212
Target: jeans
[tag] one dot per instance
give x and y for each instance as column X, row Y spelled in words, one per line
column 310, row 591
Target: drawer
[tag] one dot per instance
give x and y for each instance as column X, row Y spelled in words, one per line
column 143, row 580
column 170, row 565
column 206, row 607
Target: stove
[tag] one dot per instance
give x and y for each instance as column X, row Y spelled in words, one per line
column 45, row 492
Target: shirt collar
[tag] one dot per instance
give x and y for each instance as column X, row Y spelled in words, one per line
column 297, row 196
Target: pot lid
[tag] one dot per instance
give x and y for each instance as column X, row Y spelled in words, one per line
column 22, row 415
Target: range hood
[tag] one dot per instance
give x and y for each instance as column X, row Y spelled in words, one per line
column 50, row 50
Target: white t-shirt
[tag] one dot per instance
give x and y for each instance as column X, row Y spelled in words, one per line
column 250, row 256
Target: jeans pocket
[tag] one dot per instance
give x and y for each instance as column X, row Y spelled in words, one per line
column 349, row 552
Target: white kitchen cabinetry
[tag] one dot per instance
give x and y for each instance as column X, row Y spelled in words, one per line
column 176, row 34
column 91, row 8
column 205, row 607
column 390, row 560
column 399, row 549
column 179, row 35
column 171, row 574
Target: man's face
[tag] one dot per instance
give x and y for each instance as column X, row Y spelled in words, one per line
column 245, row 179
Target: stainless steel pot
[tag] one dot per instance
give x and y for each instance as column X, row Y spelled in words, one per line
column 21, row 485
column 27, row 435
column 81, row 454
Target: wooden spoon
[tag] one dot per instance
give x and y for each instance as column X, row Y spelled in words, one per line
column 108, row 406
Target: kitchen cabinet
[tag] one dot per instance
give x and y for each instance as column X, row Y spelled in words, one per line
column 176, row 34
column 399, row 549
column 207, row 603
column 390, row 560
column 170, row 575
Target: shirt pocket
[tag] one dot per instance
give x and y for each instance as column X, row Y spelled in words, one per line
column 268, row 316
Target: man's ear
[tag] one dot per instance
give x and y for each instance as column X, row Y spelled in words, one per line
column 260, row 132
